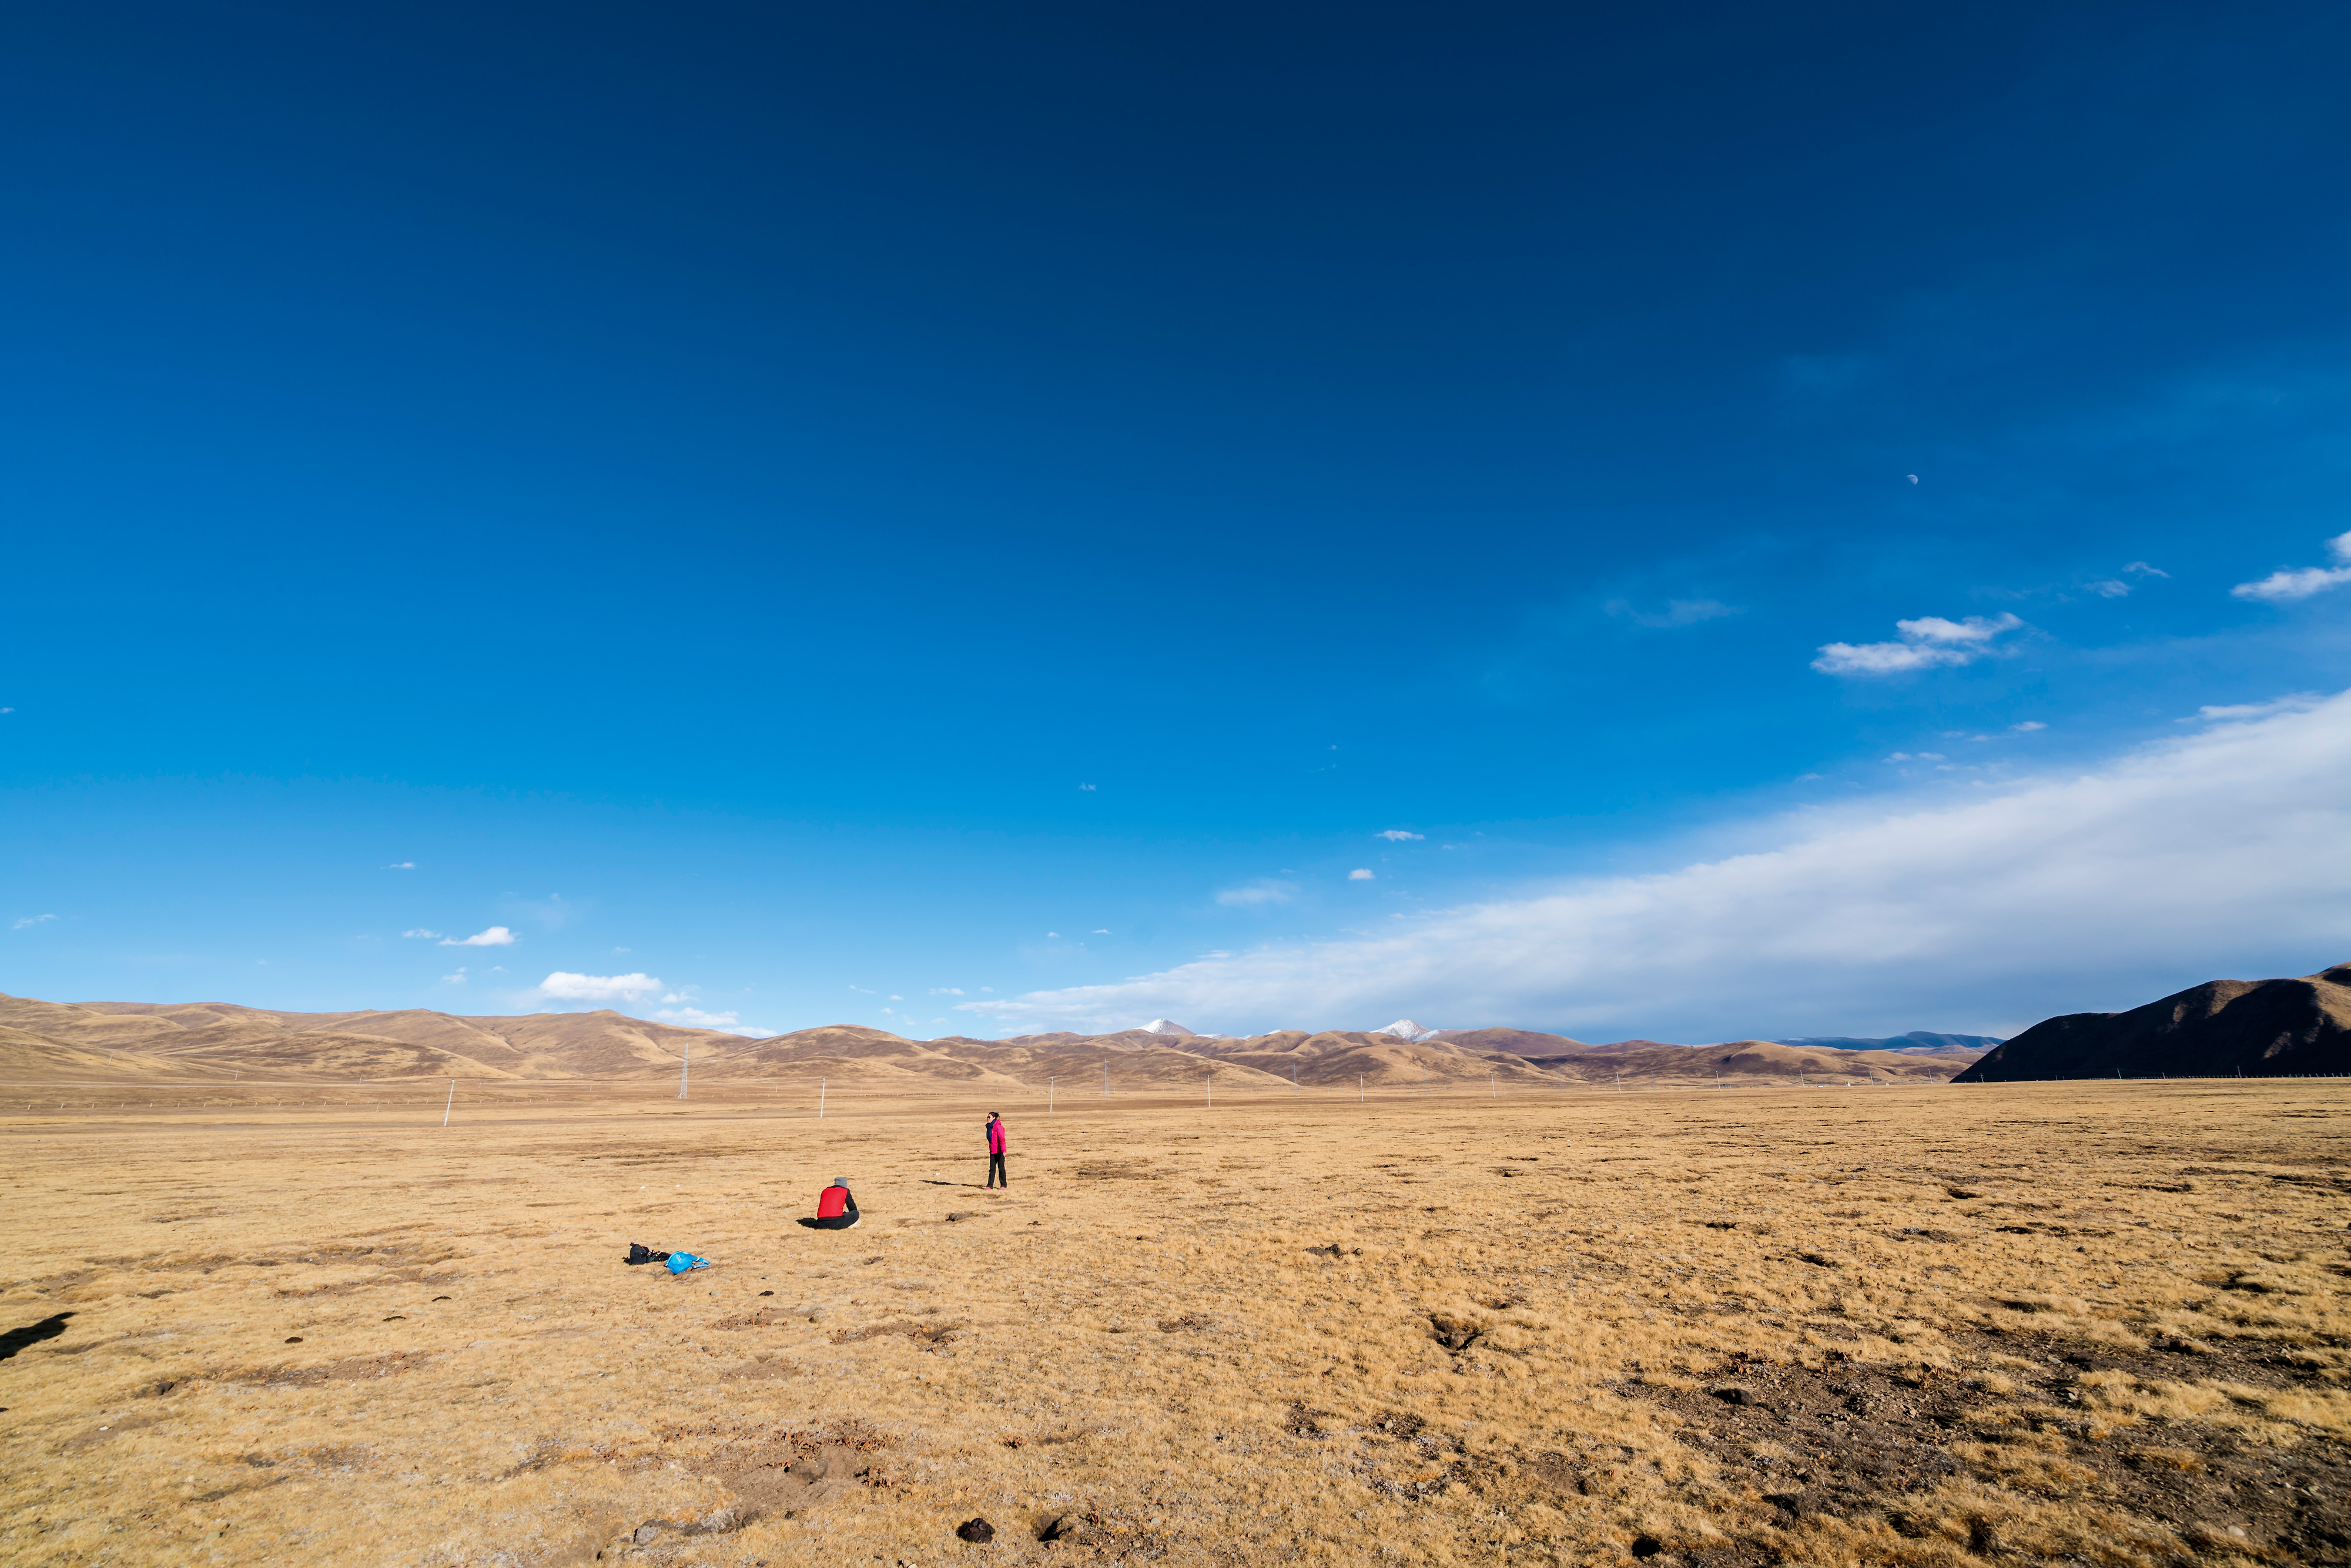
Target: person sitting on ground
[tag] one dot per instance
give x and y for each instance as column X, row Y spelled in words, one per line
column 836, row 1209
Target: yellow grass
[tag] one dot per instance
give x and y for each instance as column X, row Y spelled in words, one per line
column 1153, row 1336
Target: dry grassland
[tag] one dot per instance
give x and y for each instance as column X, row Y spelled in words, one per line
column 2066, row 1322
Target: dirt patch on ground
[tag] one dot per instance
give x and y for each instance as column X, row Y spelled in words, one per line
column 934, row 1337
column 1869, row 1445
column 350, row 1369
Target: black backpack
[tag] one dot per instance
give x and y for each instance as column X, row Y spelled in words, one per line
column 638, row 1254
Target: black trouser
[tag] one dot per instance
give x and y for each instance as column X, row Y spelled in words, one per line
column 841, row 1222
column 995, row 1171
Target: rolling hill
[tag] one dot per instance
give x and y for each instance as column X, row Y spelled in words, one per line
column 2259, row 1028
column 215, row 1041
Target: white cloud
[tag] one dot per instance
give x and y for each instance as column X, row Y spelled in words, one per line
column 2229, row 713
column 695, row 1018
column 1361, row 873
column 895, row 998
column 2280, row 587
column 2143, row 569
column 1398, row 835
column 1101, row 931
column 2226, row 852
column 618, row 951
column 1676, row 612
column 1258, row 893
column 2028, row 727
column 2111, row 588
column 1928, row 643
column 495, row 936
column 1087, row 786
column 402, row 865
column 33, row 920
column 860, row 990
column 420, row 931
column 1916, row 757
column 1048, row 934
column 946, row 990
column 571, row 988
column 457, row 980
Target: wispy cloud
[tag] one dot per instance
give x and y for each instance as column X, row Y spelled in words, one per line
column 727, row 1022
column 2226, row 850
column 1361, row 873
column 495, row 936
column 1398, row 836
column 422, row 931
column 457, row 980
column 2028, row 727
column 1676, row 612
column 2231, row 713
column 946, row 990
column 2282, row 586
column 563, row 986
column 1257, row 894
column 1929, row 643
column 402, row 865
column 33, row 920
column 2140, row 569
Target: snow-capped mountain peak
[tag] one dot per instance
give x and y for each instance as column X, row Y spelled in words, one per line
column 1404, row 1029
column 1164, row 1026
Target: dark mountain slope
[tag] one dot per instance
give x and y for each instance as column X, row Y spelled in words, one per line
column 2262, row 1029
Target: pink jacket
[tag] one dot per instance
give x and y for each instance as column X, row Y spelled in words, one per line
column 996, row 1137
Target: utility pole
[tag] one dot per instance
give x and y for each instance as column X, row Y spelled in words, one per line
column 820, row 1098
column 452, row 1102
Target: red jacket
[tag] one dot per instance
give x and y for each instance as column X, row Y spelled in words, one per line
column 833, row 1204
column 996, row 1137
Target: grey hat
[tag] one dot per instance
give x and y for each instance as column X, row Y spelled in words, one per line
column 841, row 1181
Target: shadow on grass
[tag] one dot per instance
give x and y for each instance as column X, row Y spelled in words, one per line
column 31, row 1334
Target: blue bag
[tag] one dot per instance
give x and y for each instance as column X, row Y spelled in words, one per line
column 679, row 1263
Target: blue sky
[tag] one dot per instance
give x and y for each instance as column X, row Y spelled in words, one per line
column 977, row 515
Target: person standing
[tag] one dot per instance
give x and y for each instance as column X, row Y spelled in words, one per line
column 995, row 1152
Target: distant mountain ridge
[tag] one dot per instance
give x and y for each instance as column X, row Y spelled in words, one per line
column 2260, row 1029
column 212, row 1041
column 1917, row 1040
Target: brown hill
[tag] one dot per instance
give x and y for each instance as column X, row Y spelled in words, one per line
column 1648, row 1061
column 1135, row 1058
column 1516, row 1041
column 212, row 1041
column 2259, row 1029
column 220, row 1039
column 1340, row 1057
